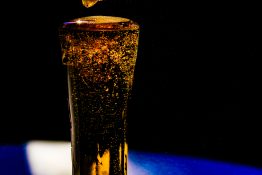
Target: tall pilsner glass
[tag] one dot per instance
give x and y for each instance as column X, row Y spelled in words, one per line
column 100, row 53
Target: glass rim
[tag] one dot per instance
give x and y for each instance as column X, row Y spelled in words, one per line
column 101, row 23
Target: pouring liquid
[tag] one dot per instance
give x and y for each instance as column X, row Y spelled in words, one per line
column 89, row 3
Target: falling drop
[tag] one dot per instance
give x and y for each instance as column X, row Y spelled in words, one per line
column 89, row 3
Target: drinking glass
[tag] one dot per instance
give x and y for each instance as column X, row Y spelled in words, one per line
column 100, row 54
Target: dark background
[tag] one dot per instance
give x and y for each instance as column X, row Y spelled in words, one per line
column 187, row 97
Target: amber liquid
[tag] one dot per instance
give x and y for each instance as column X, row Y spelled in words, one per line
column 89, row 3
column 101, row 61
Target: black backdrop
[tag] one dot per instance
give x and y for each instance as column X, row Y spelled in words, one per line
column 187, row 96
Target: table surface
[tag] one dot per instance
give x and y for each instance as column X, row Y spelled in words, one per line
column 53, row 158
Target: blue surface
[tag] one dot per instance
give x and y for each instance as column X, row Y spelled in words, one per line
column 13, row 161
column 166, row 164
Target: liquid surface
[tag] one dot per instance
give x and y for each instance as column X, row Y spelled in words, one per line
column 101, row 19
